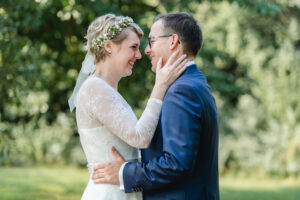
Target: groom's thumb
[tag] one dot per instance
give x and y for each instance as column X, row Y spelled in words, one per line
column 116, row 154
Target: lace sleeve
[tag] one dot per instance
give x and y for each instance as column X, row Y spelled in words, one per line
column 109, row 107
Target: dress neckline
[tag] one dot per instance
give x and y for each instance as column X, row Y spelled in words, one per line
column 93, row 76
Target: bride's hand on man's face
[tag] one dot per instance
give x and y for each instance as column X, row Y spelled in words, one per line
column 167, row 74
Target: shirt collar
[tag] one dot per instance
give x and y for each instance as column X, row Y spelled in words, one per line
column 189, row 63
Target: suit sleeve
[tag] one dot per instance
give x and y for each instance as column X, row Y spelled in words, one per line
column 181, row 129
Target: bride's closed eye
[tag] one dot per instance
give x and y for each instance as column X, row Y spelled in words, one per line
column 134, row 46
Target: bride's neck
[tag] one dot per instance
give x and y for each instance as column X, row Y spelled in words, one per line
column 105, row 71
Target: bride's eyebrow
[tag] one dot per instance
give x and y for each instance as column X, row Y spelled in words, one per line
column 135, row 44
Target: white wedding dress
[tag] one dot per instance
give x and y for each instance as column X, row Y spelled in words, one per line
column 104, row 120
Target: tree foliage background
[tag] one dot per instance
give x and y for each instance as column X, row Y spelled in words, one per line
column 251, row 56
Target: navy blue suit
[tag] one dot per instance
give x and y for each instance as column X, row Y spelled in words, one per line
column 182, row 160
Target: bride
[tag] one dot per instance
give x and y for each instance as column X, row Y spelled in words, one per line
column 104, row 118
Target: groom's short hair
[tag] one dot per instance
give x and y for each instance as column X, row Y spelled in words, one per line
column 186, row 27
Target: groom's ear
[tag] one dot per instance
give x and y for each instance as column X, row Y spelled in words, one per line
column 174, row 41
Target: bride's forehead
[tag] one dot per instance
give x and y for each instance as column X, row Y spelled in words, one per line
column 132, row 37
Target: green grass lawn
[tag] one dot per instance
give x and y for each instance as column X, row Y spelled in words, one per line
column 259, row 189
column 42, row 183
column 68, row 184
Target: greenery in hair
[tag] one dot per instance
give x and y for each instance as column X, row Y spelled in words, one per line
column 112, row 32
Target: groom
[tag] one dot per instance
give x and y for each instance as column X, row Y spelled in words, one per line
column 182, row 160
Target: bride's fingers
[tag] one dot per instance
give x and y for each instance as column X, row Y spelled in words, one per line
column 179, row 60
column 159, row 64
column 181, row 65
column 181, row 70
column 172, row 57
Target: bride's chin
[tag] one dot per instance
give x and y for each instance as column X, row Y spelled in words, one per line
column 128, row 73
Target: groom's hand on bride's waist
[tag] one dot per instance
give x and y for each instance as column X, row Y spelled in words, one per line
column 109, row 172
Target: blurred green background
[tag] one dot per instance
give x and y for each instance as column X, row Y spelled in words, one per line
column 251, row 56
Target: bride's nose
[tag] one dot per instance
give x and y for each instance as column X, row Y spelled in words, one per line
column 138, row 55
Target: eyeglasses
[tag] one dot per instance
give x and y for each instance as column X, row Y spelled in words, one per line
column 154, row 37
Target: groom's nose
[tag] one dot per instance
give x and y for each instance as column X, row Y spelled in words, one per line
column 147, row 50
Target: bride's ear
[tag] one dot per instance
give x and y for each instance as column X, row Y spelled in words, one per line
column 108, row 46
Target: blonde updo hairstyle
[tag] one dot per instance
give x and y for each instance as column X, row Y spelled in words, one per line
column 100, row 26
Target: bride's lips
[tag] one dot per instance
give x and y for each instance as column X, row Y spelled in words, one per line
column 131, row 63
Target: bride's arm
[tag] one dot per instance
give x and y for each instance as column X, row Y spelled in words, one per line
column 112, row 111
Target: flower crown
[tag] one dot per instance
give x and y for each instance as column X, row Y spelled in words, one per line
column 112, row 31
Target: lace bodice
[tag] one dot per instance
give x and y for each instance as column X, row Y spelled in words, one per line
column 105, row 119
column 98, row 104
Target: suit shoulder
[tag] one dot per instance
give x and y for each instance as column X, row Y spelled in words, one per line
column 192, row 84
